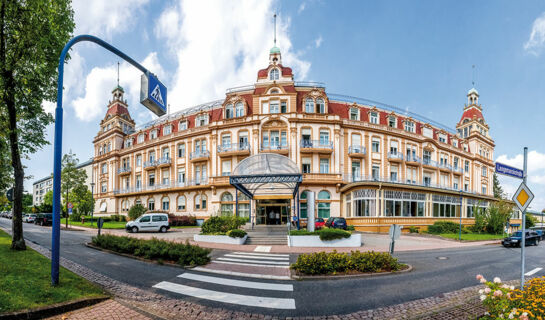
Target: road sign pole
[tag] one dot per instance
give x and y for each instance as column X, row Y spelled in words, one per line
column 523, row 240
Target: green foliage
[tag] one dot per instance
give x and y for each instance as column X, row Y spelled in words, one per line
column 320, row 263
column 75, row 216
column 497, row 216
column 531, row 221
column 118, row 218
column 136, row 211
column 328, row 234
column 413, row 229
column 350, row 228
column 27, row 203
column 82, row 199
column 154, row 249
column 236, row 233
column 444, row 227
column 221, row 224
column 496, row 187
column 480, row 219
column 72, row 178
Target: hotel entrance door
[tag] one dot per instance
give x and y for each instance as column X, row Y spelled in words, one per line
column 272, row 212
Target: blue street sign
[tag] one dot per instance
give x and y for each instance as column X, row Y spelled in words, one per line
column 153, row 94
column 69, row 211
column 509, row 171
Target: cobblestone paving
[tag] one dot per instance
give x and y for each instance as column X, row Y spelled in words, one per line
column 461, row 304
column 109, row 309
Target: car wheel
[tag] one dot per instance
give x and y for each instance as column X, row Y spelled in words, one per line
column 41, row 223
column 134, row 229
column 536, row 242
column 163, row 229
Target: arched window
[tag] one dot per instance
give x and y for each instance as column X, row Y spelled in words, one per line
column 239, row 109
column 243, row 209
column 226, row 204
column 229, row 111
column 320, row 105
column 274, row 74
column 273, row 91
column 165, row 203
column 151, row 204
column 303, row 207
column 324, row 204
column 200, row 202
column 181, row 203
column 309, row 105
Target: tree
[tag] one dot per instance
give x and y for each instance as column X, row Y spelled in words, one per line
column 27, row 203
column 531, row 221
column 497, row 189
column 71, row 178
column 82, row 200
column 136, row 211
column 497, row 216
column 32, row 36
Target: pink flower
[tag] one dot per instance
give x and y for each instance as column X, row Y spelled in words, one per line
column 498, row 293
column 487, row 290
column 508, row 294
column 483, row 280
column 479, row 276
column 497, row 280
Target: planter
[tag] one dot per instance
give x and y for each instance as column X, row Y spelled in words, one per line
column 219, row 239
column 314, row 241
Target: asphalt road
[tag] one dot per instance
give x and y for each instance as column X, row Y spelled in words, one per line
column 431, row 275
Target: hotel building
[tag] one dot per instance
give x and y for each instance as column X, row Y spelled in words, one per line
column 371, row 163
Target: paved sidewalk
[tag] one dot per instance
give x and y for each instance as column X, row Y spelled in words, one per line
column 109, row 309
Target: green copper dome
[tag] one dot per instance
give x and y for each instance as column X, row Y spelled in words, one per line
column 118, row 87
column 275, row 50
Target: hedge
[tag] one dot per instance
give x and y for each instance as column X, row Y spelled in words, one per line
column 154, row 249
column 177, row 221
column 236, row 233
column 444, row 227
column 220, row 225
column 326, row 234
column 321, row 263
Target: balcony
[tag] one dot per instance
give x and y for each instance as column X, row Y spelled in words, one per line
column 429, row 163
column 200, row 155
column 356, row 151
column 395, row 156
column 123, row 171
column 457, row 170
column 150, row 164
column 163, row 162
column 275, row 148
column 320, row 146
column 445, row 166
column 227, row 150
column 196, row 182
column 412, row 158
column 322, row 178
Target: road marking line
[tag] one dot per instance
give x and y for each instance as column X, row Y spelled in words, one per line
column 263, row 249
column 242, row 274
column 237, row 283
column 250, row 264
column 252, row 301
column 536, row 270
column 255, row 257
column 263, row 254
column 256, row 261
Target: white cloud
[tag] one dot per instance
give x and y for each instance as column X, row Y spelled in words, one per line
column 221, row 44
column 536, row 176
column 103, row 18
column 100, row 82
column 318, row 41
column 536, row 41
column 302, row 7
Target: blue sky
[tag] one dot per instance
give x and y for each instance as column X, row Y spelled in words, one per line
column 412, row 54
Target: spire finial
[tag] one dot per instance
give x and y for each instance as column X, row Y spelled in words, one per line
column 473, row 76
column 275, row 29
column 118, row 73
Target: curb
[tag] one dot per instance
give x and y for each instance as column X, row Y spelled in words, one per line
column 53, row 310
column 350, row 276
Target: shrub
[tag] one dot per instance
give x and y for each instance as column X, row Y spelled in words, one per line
column 531, row 221
column 444, row 227
column 236, row 233
column 221, row 224
column 75, row 216
column 136, row 211
column 350, row 228
column 413, row 229
column 118, row 218
column 177, row 221
column 328, row 234
column 334, row 262
column 183, row 254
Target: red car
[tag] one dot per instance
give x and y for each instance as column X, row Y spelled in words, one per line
column 319, row 223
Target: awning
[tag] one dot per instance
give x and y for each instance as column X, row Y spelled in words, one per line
column 515, row 225
column 103, row 207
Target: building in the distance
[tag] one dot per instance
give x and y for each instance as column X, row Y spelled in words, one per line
column 371, row 163
column 42, row 186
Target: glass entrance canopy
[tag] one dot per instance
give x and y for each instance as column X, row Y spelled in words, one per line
column 267, row 176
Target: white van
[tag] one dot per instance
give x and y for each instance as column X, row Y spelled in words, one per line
column 149, row 222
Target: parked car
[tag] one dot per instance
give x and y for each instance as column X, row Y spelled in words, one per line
column 29, row 218
column 319, row 223
column 149, row 222
column 539, row 232
column 532, row 238
column 44, row 219
column 337, row 223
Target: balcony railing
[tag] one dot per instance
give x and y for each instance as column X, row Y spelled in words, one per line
column 233, row 147
column 356, row 149
column 412, row 158
column 350, row 178
column 445, row 165
column 150, row 163
column 395, row 155
column 123, row 170
column 429, row 162
column 273, row 146
column 164, row 160
column 309, row 84
column 199, row 154
column 458, row 169
column 197, row 182
column 317, row 144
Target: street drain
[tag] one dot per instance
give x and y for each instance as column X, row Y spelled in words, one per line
column 442, row 258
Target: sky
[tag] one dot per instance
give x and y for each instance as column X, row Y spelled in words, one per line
column 416, row 55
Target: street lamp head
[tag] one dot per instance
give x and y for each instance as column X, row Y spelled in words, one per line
column 92, row 184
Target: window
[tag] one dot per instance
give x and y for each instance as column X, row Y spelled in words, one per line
column 147, row 218
column 392, row 122
column 456, row 160
column 303, row 205
column 275, row 107
column 427, row 179
column 151, row 179
column 306, row 135
column 404, row 204
column 239, row 109
column 446, row 206
column 181, row 203
column 181, row 175
column 320, row 105
column 128, row 143
column 243, row 139
column 153, row 134
column 182, row 125
column 200, row 202
column 166, row 153
column 104, row 187
column 324, row 165
column 151, row 156
column 166, row 177
column 226, row 204
column 226, row 168
column 201, row 120
column 442, row 138
column 409, row 126
column 309, row 105
column 354, row 114
column 393, row 147
column 484, row 189
column 104, row 168
column 412, row 176
column 393, row 173
column 427, row 157
column 226, row 140
column 456, row 183
column 229, row 111
column 151, row 206
column 324, row 137
column 375, row 171
column 427, row 132
column 356, row 170
column 466, row 187
column 167, row 130
column 324, row 204
column 283, row 107
column 375, row 145
column 306, row 164
column 466, row 166
column 484, row 172
column 165, row 204
column 373, row 117
column 265, row 107
column 274, row 74
column 138, row 182
column 181, row 150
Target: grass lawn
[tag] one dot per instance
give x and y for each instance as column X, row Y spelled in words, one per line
column 25, row 281
column 473, row 236
column 106, row 225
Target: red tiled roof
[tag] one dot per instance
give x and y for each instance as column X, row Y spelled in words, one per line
column 117, row 109
column 286, row 71
column 470, row 113
column 339, row 109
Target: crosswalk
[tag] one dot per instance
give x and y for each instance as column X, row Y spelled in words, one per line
column 231, row 279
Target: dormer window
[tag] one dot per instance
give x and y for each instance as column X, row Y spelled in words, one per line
column 392, row 122
column 442, row 138
column 274, row 74
column 167, row 130
column 409, row 126
column 354, row 114
column 309, row 105
column 239, row 109
column 182, row 125
column 201, row 120
column 128, row 143
column 140, row 138
column 229, row 111
column 274, row 91
column 373, row 117
column 153, row 134
column 320, row 105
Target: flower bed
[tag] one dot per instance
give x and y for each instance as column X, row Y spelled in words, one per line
column 324, row 263
column 222, row 229
column 507, row 302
